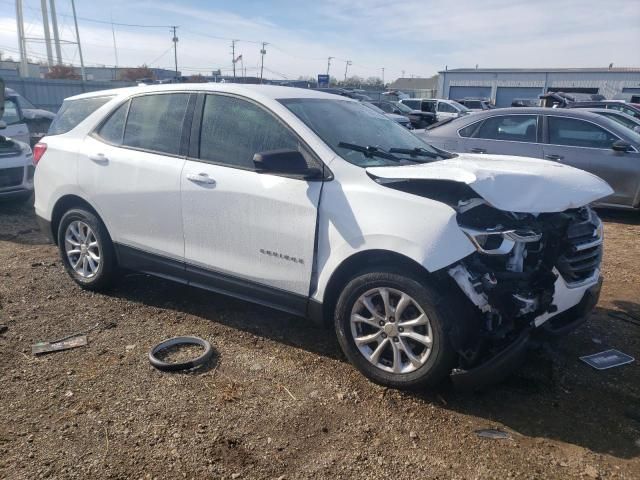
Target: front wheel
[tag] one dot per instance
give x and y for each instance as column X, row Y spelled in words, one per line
column 86, row 249
column 392, row 327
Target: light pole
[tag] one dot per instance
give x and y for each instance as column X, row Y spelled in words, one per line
column 382, row 77
column 175, row 49
column 328, row 64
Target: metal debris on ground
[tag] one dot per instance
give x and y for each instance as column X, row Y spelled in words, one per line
column 493, row 434
column 607, row 359
column 66, row 344
column 75, row 340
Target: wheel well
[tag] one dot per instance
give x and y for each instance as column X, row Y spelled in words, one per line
column 360, row 262
column 63, row 205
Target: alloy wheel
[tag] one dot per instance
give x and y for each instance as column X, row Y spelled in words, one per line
column 83, row 249
column 391, row 330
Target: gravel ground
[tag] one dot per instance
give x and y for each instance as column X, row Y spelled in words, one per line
column 279, row 400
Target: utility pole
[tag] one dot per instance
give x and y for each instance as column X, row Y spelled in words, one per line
column 402, row 73
column 262, row 54
column 346, row 67
column 24, row 65
column 115, row 49
column 47, row 33
column 56, row 33
column 175, row 49
column 233, row 57
column 329, row 64
column 75, row 21
column 382, row 77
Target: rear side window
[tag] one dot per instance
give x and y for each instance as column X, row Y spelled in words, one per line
column 72, row 112
column 155, row 122
column 233, row 130
column 578, row 133
column 112, row 130
column 515, row 128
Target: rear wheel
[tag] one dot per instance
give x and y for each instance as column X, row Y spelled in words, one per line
column 392, row 328
column 86, row 249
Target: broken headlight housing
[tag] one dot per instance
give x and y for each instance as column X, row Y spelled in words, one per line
column 498, row 241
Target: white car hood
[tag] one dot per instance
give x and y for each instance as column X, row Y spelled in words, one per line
column 515, row 184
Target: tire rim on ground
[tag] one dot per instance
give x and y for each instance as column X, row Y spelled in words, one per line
column 391, row 330
column 83, row 249
column 187, row 365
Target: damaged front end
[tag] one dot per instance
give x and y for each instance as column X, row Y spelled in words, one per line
column 529, row 270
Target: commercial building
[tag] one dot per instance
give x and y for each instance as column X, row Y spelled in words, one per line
column 503, row 85
column 416, row 87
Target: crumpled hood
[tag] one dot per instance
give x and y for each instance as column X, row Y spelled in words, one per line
column 515, row 184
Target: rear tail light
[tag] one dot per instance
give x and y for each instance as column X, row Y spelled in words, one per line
column 38, row 151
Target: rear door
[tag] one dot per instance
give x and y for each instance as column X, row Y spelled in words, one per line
column 586, row 145
column 246, row 233
column 515, row 134
column 130, row 169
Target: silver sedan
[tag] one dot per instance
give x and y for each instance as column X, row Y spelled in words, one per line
column 574, row 137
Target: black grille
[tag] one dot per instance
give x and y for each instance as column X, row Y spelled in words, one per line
column 11, row 177
column 583, row 252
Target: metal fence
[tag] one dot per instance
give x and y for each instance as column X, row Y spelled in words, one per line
column 48, row 94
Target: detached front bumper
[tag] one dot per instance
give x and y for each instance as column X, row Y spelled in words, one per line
column 561, row 322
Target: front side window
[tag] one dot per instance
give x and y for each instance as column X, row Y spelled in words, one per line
column 515, row 128
column 234, row 130
column 72, row 112
column 155, row 122
column 445, row 107
column 578, row 133
column 340, row 122
column 112, row 131
column 11, row 113
column 469, row 130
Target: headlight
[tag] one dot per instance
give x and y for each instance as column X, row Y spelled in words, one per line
column 499, row 242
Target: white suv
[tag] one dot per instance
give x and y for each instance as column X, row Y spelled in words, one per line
column 428, row 263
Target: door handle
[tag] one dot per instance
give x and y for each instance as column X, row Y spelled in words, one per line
column 99, row 158
column 478, row 150
column 201, row 178
column 554, row 157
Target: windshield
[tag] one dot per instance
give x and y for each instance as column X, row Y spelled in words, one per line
column 622, row 120
column 459, row 106
column 403, row 108
column 339, row 122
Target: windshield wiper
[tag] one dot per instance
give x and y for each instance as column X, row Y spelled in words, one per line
column 415, row 152
column 369, row 151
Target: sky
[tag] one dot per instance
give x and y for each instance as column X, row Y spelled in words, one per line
column 408, row 37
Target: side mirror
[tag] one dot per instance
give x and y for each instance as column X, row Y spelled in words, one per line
column 621, row 146
column 285, row 162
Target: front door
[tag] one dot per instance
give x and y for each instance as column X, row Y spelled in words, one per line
column 247, row 233
column 585, row 145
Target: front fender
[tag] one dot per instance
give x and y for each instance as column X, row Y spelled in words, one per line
column 380, row 218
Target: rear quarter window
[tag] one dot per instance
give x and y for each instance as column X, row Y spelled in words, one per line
column 73, row 112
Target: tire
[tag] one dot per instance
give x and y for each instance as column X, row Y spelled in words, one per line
column 434, row 365
column 103, row 275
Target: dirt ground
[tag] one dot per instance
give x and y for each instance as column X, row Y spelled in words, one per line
column 279, row 400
